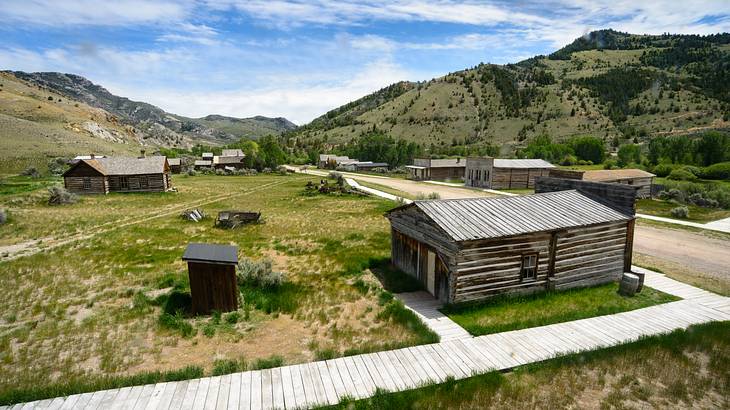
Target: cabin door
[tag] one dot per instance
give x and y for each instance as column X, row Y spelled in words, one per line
column 431, row 273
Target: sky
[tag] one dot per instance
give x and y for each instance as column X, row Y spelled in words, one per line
column 299, row 59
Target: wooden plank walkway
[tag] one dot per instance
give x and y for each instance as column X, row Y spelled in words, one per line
column 426, row 307
column 326, row 382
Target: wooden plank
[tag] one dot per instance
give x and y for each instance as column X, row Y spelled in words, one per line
column 347, row 379
column 190, row 393
column 395, row 377
column 144, row 397
column 156, row 395
column 482, row 364
column 109, row 397
column 267, row 397
column 201, row 393
column 212, row 397
column 299, row 397
column 423, row 369
column 129, row 400
column 329, row 384
column 277, row 389
column 337, row 382
column 245, row 403
column 407, row 366
column 310, row 394
column 317, row 383
column 178, row 396
column 380, row 379
column 456, row 368
column 234, row 392
column 55, row 404
column 224, row 391
column 401, row 372
column 358, row 381
column 436, row 372
column 256, row 389
column 288, row 388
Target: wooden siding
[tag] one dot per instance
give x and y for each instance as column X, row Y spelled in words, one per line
column 135, row 183
column 446, row 173
column 619, row 196
column 516, row 178
column 589, row 256
column 490, row 267
column 213, row 287
column 86, row 185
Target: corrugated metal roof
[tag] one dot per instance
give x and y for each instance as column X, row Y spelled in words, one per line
column 173, row 161
column 522, row 163
column 203, row 252
column 232, row 153
column 614, row 174
column 480, row 218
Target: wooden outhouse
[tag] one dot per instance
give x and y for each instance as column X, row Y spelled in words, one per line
column 498, row 173
column 118, row 174
column 212, row 273
column 470, row 249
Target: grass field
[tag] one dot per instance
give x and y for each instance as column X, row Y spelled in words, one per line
column 685, row 369
column 698, row 214
column 519, row 312
column 92, row 308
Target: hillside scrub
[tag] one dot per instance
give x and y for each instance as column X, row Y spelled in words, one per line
column 586, row 149
column 682, row 191
column 709, row 148
column 60, row 196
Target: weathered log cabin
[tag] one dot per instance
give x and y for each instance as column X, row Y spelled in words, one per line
column 175, row 165
column 465, row 250
column 497, row 173
column 638, row 178
column 438, row 169
column 118, row 174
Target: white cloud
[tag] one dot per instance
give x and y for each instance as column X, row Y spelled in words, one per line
column 299, row 103
column 92, row 12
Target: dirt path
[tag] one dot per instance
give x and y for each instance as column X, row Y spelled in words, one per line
column 10, row 252
column 708, row 255
column 412, row 188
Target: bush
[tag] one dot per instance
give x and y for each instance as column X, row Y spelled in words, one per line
column 31, row 172
column 609, row 164
column 721, row 170
column 56, row 166
column 227, row 366
column 681, row 174
column 192, row 172
column 220, row 172
column 434, row 195
column 233, row 318
column 3, row 216
column 259, row 273
column 569, row 160
column 267, row 363
column 671, row 195
column 680, row 212
column 698, row 199
column 334, row 175
column 60, row 196
column 662, row 170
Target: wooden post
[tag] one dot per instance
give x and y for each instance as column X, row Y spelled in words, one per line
column 628, row 250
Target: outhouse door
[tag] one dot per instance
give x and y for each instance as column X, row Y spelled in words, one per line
column 431, row 273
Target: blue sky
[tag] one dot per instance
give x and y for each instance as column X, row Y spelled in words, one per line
column 298, row 59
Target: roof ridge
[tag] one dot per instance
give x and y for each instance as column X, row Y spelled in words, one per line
column 488, row 198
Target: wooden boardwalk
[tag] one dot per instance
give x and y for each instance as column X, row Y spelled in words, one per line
column 426, row 307
column 326, row 382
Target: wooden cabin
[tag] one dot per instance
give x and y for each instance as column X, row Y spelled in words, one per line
column 497, row 173
column 175, row 165
column 118, row 174
column 436, row 169
column 329, row 161
column 466, row 250
column 212, row 273
column 635, row 177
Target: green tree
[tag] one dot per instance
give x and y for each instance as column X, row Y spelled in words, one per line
column 589, row 148
column 629, row 154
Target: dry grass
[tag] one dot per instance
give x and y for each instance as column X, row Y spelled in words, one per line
column 80, row 309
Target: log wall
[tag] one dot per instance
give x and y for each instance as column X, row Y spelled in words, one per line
column 516, row 178
column 213, row 287
column 136, row 183
column 96, row 184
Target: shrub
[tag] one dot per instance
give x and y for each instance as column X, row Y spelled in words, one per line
column 227, row 366
column 178, row 323
column 3, row 216
column 31, row 172
column 220, row 172
column 233, row 317
column 721, row 170
column 434, row 195
column 696, row 171
column 699, row 200
column 259, row 273
column 267, row 363
column 334, row 175
column 569, row 160
column 609, row 164
column 60, row 196
column 56, row 166
column 680, row 212
column 662, row 170
column 681, row 174
column 192, row 172
column 672, row 194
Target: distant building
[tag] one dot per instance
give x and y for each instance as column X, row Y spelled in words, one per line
column 497, row 173
column 232, row 153
column 427, row 168
column 364, row 166
column 80, row 157
column 638, row 178
column 202, row 164
column 207, row 156
column 118, row 174
column 229, row 158
column 175, row 165
column 328, row 161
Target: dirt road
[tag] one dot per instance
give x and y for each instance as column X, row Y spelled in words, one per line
column 707, row 255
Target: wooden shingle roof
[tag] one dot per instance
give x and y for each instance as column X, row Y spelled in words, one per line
column 483, row 218
column 132, row 166
column 600, row 175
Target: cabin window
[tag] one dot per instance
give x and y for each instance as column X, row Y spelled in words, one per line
column 143, row 183
column 529, row 267
column 87, row 183
column 123, row 183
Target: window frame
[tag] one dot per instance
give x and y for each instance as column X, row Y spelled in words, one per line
column 87, row 183
column 523, row 268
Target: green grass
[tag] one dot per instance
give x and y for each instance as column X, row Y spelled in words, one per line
column 698, row 214
column 683, row 369
column 15, row 185
column 519, row 312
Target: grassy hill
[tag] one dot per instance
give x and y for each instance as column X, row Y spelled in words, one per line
column 608, row 84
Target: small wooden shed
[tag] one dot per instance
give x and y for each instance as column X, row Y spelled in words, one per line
column 212, row 272
column 498, row 173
